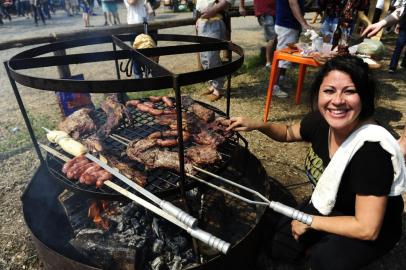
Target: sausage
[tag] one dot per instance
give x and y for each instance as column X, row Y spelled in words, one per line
column 70, row 173
column 133, row 102
column 77, row 173
column 94, row 176
column 155, row 98
column 71, row 162
column 167, row 142
column 149, row 104
column 142, row 107
column 169, row 111
column 155, row 112
column 155, row 135
column 86, row 174
column 103, row 177
column 167, row 101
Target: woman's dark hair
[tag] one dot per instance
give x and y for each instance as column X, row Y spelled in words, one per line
column 360, row 75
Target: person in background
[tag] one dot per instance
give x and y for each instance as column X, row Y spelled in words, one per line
column 87, row 11
column 46, row 6
column 356, row 165
column 340, row 13
column 265, row 13
column 4, row 4
column 397, row 16
column 110, row 11
column 378, row 10
column 289, row 22
column 391, row 19
column 400, row 44
column 37, row 11
column 136, row 11
column 210, row 24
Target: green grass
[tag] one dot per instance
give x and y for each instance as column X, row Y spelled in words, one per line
column 21, row 137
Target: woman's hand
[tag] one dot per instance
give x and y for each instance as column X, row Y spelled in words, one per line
column 243, row 124
column 298, row 228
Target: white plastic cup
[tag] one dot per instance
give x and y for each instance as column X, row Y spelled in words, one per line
column 317, row 44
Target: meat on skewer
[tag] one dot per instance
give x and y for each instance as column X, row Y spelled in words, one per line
column 167, row 101
column 132, row 102
column 71, row 162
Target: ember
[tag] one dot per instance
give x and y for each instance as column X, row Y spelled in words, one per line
column 94, row 213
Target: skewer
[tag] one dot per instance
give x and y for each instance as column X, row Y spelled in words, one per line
column 276, row 206
column 195, row 232
column 164, row 205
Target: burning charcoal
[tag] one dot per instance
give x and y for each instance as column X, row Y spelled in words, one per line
column 129, row 210
column 188, row 255
column 156, row 228
column 158, row 264
column 173, row 247
column 181, row 242
column 141, row 244
column 120, row 227
column 177, row 263
column 158, row 246
column 129, row 232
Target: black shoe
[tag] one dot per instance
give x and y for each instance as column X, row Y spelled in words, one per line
column 391, row 71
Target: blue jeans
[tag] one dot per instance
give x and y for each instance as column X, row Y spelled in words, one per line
column 328, row 27
column 400, row 43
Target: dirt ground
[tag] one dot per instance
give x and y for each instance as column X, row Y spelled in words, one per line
column 283, row 162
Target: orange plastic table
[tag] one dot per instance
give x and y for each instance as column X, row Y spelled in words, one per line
column 292, row 56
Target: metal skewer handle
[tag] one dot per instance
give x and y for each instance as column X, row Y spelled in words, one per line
column 209, row 239
column 195, row 232
column 291, row 212
column 165, row 205
column 276, row 206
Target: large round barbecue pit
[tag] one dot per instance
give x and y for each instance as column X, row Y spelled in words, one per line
column 156, row 143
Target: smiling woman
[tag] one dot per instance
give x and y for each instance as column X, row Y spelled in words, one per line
column 357, row 168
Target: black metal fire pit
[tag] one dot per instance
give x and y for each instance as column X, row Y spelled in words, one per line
column 44, row 216
column 51, row 230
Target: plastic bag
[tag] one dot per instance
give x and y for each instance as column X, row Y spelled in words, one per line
column 371, row 47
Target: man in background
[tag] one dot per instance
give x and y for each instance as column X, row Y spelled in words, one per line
column 289, row 22
column 265, row 13
column 210, row 24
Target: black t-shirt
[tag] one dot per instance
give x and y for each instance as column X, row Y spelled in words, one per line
column 370, row 172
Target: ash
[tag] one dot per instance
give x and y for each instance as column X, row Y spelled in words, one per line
column 136, row 239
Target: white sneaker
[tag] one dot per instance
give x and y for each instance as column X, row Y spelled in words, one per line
column 278, row 92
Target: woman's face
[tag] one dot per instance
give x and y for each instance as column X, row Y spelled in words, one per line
column 339, row 102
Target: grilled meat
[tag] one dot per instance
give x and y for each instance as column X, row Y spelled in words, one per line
column 146, row 152
column 124, row 168
column 208, row 137
column 203, row 113
column 78, row 123
column 88, row 173
column 93, row 143
column 115, row 112
column 202, row 154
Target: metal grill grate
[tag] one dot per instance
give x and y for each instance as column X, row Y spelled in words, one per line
column 159, row 181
